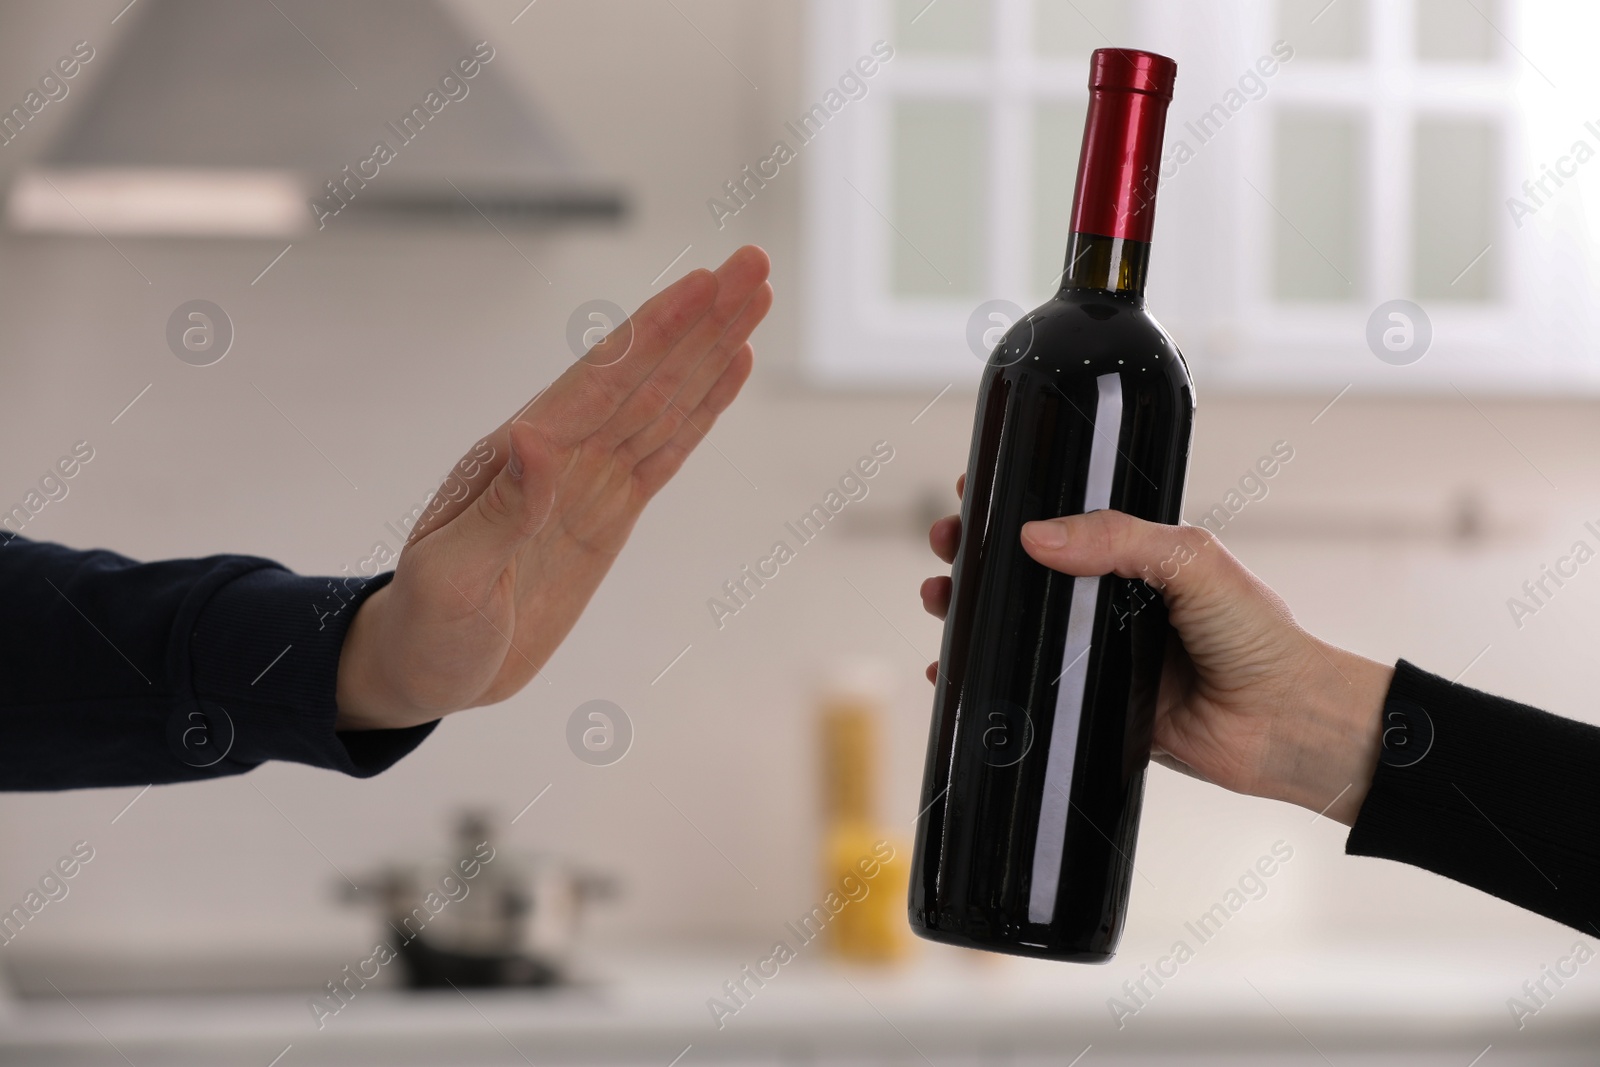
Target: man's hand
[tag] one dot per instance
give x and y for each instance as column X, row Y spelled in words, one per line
column 490, row 585
column 1249, row 700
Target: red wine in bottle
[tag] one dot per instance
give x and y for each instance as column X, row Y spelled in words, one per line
column 1047, row 684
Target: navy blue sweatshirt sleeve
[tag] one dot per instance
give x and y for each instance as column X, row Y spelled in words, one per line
column 115, row 672
column 1489, row 792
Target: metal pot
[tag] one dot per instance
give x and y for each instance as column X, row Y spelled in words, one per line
column 481, row 915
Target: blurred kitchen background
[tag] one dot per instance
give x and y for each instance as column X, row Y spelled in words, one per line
column 1341, row 154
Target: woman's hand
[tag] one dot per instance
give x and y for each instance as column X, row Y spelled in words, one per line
column 1249, row 700
column 490, row 583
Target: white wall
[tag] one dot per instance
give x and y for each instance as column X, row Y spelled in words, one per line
column 394, row 353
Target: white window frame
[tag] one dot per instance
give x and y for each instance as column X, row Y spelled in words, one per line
column 1312, row 344
column 1235, row 334
column 859, row 335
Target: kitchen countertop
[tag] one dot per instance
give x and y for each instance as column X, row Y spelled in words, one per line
column 946, row 1005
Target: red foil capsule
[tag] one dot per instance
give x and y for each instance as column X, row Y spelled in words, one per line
column 1120, row 164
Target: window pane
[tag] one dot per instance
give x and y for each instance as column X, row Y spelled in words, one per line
column 1320, row 213
column 940, row 157
column 959, row 27
column 1325, row 29
column 1074, row 28
column 1461, row 31
column 1057, row 139
column 1453, row 204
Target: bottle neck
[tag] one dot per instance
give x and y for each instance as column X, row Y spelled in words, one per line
column 1119, row 167
column 1116, row 265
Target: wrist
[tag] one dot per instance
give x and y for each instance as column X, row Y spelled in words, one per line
column 358, row 692
column 1333, row 729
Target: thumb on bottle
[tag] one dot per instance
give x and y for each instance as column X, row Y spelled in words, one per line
column 1110, row 542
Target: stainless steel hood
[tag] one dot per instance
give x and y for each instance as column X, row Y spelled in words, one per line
column 279, row 117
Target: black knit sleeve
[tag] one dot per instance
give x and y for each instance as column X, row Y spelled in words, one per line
column 1489, row 792
column 117, row 672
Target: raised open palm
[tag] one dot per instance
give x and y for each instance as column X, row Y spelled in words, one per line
column 490, row 584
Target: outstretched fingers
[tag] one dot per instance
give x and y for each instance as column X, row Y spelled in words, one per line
column 710, row 369
column 658, row 468
column 589, row 393
column 698, row 385
column 740, row 280
column 616, row 388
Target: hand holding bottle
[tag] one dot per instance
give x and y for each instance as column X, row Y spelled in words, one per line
column 1249, row 700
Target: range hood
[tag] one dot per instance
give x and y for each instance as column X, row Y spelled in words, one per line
column 282, row 117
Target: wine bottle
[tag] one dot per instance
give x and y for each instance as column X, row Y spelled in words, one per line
column 1047, row 683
